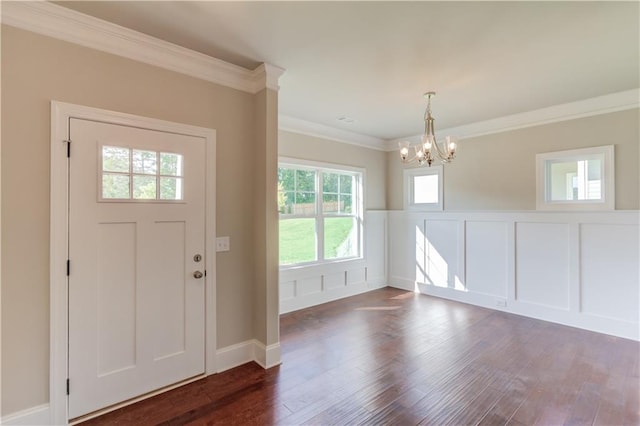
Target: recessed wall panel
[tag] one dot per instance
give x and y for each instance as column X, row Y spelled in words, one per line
column 116, row 276
column 355, row 276
column 542, row 264
column 336, row 280
column 441, row 248
column 287, row 290
column 309, row 286
column 609, row 271
column 421, row 259
column 400, row 255
column 486, row 257
column 375, row 238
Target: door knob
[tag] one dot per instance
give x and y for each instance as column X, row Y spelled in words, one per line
column 197, row 274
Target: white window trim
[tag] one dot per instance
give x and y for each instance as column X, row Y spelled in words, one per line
column 316, row 165
column 408, row 179
column 543, row 201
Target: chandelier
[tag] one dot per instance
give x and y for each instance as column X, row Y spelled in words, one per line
column 429, row 149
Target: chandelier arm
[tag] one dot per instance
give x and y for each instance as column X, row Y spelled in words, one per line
column 442, row 156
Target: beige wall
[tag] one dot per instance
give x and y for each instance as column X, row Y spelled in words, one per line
column 36, row 70
column 497, row 172
column 265, row 157
column 295, row 145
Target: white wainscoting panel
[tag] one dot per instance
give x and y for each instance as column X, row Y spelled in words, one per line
column 575, row 268
column 487, row 258
column 356, row 276
column 375, row 229
column 441, row 249
column 405, row 236
column 307, row 286
column 337, row 280
column 287, row 290
column 609, row 271
column 542, row 264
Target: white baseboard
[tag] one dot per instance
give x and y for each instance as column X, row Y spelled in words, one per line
column 267, row 356
column 235, row 355
column 584, row 321
column 376, row 283
column 402, row 284
column 38, row 415
column 247, row 351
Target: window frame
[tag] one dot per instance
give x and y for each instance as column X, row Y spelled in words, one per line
column 358, row 204
column 607, row 171
column 409, row 176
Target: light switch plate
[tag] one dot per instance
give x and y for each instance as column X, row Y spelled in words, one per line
column 223, row 244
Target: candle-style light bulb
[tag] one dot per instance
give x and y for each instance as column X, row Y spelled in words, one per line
column 404, row 150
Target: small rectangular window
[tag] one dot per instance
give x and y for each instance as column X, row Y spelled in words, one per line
column 423, row 188
column 580, row 179
column 129, row 174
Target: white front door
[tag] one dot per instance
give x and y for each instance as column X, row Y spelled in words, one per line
column 136, row 251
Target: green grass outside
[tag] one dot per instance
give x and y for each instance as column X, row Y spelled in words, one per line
column 298, row 240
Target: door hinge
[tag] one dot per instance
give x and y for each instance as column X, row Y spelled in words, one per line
column 67, row 386
column 68, row 142
column 68, row 267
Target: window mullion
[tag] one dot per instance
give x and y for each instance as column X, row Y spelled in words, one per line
column 319, row 215
column 157, row 175
column 131, row 173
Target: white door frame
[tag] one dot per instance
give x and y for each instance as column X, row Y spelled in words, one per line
column 61, row 113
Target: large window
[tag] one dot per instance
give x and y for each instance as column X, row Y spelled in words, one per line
column 580, row 179
column 320, row 213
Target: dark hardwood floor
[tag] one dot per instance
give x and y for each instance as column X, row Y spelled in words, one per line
column 399, row 358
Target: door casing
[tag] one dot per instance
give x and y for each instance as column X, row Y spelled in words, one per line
column 61, row 113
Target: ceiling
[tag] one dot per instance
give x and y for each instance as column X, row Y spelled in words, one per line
column 372, row 61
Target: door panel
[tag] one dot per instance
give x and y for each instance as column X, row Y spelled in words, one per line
column 136, row 311
column 116, row 282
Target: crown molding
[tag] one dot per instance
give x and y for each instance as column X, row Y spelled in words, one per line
column 65, row 24
column 297, row 125
column 605, row 104
column 266, row 76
